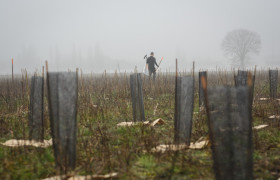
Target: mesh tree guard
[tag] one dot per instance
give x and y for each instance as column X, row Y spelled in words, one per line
column 242, row 80
column 137, row 97
column 273, row 83
column 36, row 109
column 230, row 127
column 184, row 109
column 63, row 95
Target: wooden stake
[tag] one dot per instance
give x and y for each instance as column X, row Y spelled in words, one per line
column 47, row 66
column 43, row 72
column 77, row 72
column 12, row 70
column 176, row 106
column 249, row 79
column 176, row 68
column 193, row 69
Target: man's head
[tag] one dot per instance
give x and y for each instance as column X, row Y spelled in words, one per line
column 152, row 53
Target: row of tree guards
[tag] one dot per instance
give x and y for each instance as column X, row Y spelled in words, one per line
column 228, row 112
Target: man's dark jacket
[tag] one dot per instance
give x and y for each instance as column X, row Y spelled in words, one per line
column 151, row 61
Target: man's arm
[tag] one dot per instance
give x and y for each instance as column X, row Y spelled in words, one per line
column 156, row 63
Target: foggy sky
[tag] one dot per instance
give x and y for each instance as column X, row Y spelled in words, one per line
column 116, row 34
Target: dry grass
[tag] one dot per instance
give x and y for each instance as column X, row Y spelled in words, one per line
column 102, row 147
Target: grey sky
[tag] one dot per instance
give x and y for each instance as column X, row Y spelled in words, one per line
column 95, row 35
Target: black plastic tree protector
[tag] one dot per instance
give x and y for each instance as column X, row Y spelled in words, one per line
column 137, row 97
column 241, row 79
column 184, row 101
column 273, row 83
column 200, row 92
column 230, row 127
column 36, row 109
column 63, row 95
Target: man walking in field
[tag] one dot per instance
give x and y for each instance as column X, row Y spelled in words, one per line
column 150, row 63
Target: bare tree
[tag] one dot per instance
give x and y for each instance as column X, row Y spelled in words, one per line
column 239, row 44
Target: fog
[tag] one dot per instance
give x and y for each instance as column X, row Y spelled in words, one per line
column 117, row 34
